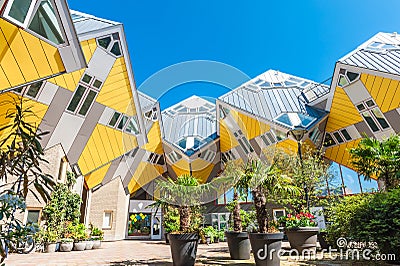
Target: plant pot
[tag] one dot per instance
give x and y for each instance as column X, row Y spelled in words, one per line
column 66, row 246
column 301, row 238
column 89, row 244
column 96, row 244
column 238, row 244
column 322, row 240
column 183, row 248
column 166, row 238
column 50, row 247
column 208, row 240
column 266, row 248
column 79, row 246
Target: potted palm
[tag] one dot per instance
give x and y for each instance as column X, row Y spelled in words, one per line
column 184, row 194
column 238, row 241
column 267, row 185
column 96, row 235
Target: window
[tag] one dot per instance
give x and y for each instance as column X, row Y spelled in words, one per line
column 347, row 77
column 208, row 155
column 328, row 141
column 111, row 44
column 346, row 134
column 84, row 95
column 114, row 119
column 151, row 115
column 174, row 157
column 314, row 135
column 107, row 219
column 372, row 115
column 132, row 126
column 155, row 158
column 31, row 91
column 379, row 47
column 124, row 123
column 339, row 137
column 39, row 17
column 278, row 213
column 33, row 216
column 243, row 142
column 268, row 138
column 228, row 156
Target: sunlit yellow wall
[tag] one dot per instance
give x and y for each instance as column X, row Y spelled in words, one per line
column 201, row 169
column 24, row 57
column 144, row 173
column 95, row 177
column 340, row 153
column 385, row 91
column 181, row 167
column 250, row 126
column 104, row 145
column 154, row 139
column 227, row 139
column 116, row 92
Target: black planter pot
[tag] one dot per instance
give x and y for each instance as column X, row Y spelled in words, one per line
column 302, row 238
column 322, row 240
column 239, row 245
column 183, row 248
column 166, row 238
column 266, row 248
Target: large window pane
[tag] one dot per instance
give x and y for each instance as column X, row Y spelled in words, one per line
column 19, row 10
column 114, row 119
column 368, row 186
column 132, row 126
column 381, row 119
column 370, row 121
column 87, row 103
column 76, row 98
column 45, row 23
column 334, row 180
column 34, row 89
column 122, row 122
column 33, row 216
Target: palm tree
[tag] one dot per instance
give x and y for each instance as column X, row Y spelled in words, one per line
column 379, row 159
column 267, row 184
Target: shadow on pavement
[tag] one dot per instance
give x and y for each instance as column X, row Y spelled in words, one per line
column 142, row 262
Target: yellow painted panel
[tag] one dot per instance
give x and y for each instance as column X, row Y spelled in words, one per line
column 383, row 90
column 364, row 77
column 288, row 145
column 181, row 167
column 334, row 151
column 86, row 158
column 369, row 82
column 203, row 174
column 108, row 147
column 145, row 172
column 70, row 82
column 251, row 127
column 396, row 100
column 116, row 92
column 92, row 45
column 119, row 147
column 82, row 165
column 99, row 156
column 3, row 79
column 59, row 81
column 129, row 142
column 53, row 57
column 374, row 90
column 35, row 50
column 95, row 178
column 20, row 51
column 391, row 94
column 227, row 139
column 9, row 64
column 343, row 112
column 154, row 139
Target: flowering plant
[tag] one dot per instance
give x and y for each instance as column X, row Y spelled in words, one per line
column 302, row 219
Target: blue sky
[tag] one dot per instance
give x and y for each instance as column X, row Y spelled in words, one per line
column 304, row 38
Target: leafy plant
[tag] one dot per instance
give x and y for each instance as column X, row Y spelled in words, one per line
column 221, row 235
column 79, row 232
column 379, row 159
column 47, row 235
column 171, row 219
column 210, row 232
column 96, row 233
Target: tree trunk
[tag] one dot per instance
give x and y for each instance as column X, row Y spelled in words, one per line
column 237, row 220
column 261, row 210
column 184, row 216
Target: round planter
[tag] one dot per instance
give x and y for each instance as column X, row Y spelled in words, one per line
column 302, row 238
column 50, row 247
column 266, row 248
column 208, row 240
column 166, row 238
column 239, row 245
column 183, row 248
column 89, row 244
column 96, row 244
column 66, row 246
column 79, row 246
column 322, row 240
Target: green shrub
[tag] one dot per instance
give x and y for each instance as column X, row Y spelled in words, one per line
column 367, row 218
column 171, row 220
column 211, row 232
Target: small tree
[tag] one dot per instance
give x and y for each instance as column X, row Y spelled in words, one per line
column 378, row 159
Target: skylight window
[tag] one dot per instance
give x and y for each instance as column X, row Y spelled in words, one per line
column 111, row 44
column 295, row 119
column 381, row 47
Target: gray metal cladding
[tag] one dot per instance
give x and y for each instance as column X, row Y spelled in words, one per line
column 85, row 23
column 146, row 102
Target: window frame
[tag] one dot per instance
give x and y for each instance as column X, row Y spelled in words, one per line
column 28, row 17
column 25, row 89
column 111, row 44
column 107, row 227
column 367, row 109
column 33, row 209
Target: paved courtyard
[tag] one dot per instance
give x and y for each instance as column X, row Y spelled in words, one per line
column 129, row 252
